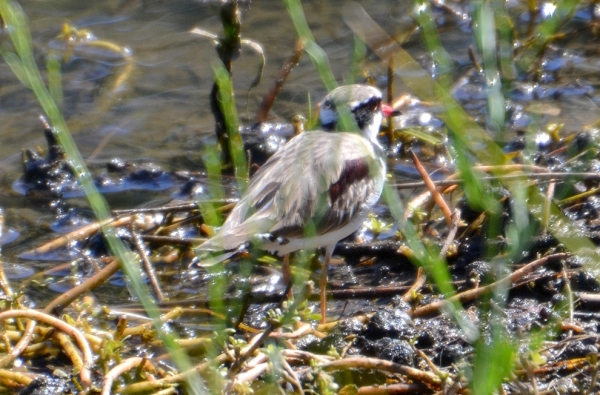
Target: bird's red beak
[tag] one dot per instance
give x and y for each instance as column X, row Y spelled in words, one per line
column 389, row 111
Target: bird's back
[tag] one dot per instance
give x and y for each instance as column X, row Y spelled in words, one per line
column 317, row 183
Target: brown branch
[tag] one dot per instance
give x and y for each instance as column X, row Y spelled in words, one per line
column 285, row 71
column 145, row 327
column 227, row 204
column 546, row 210
column 473, row 294
column 4, row 284
column 419, row 281
column 151, row 386
column 455, row 178
column 435, row 194
column 59, row 303
column 247, row 352
column 451, row 234
column 84, row 373
column 249, row 375
column 121, row 368
column 383, row 365
column 292, row 376
column 589, row 299
column 139, row 245
column 16, row 377
column 170, row 240
column 69, row 349
column 305, row 329
column 305, row 356
column 78, row 234
column 21, row 345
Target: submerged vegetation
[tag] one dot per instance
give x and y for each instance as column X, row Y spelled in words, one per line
column 484, row 281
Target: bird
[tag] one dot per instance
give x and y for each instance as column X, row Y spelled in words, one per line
column 315, row 190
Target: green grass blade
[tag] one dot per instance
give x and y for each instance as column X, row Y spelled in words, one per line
column 236, row 144
column 13, row 61
column 319, row 59
column 55, row 80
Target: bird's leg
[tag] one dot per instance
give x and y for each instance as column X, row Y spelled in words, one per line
column 286, row 271
column 323, row 282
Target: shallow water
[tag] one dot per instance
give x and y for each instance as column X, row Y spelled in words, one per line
column 165, row 109
column 162, row 114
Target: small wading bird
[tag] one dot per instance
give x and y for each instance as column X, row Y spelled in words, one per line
column 316, row 190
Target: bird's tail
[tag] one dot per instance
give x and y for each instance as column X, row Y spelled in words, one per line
column 215, row 251
column 209, row 258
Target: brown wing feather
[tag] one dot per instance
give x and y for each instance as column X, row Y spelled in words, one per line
column 354, row 170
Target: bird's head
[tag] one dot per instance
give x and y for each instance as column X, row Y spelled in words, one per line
column 363, row 102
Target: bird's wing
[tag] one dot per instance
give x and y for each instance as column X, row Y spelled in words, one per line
column 318, row 180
